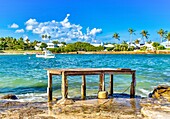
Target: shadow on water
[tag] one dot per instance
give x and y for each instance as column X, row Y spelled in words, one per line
column 115, row 95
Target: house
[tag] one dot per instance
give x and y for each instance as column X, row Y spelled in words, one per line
column 97, row 45
column 166, row 44
column 49, row 45
column 149, row 46
column 108, row 46
column 37, row 47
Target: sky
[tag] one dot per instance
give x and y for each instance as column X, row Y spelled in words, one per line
column 91, row 21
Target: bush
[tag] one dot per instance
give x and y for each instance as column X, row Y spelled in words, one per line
column 109, row 49
column 131, row 48
column 143, row 48
column 161, row 47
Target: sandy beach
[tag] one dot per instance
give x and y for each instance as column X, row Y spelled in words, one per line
column 6, row 52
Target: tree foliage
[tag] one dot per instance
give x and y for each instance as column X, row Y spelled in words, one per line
column 10, row 43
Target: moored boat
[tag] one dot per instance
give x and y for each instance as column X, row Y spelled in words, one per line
column 46, row 54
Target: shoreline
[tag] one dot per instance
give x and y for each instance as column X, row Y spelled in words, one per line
column 81, row 109
column 84, row 52
column 111, row 108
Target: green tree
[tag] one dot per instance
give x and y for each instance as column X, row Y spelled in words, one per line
column 167, row 37
column 144, row 34
column 116, row 36
column 56, row 42
column 64, row 43
column 131, row 32
column 155, row 45
column 43, row 36
column 137, row 41
column 43, row 45
column 49, row 37
column 161, row 32
column 161, row 47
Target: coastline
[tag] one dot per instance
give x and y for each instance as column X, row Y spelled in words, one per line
column 84, row 52
column 81, row 109
column 112, row 108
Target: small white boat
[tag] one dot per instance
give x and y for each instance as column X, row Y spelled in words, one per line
column 24, row 53
column 46, row 54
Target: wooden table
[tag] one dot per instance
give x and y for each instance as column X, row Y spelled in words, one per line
column 88, row 71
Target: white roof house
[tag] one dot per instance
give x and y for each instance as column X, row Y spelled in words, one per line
column 97, row 45
column 109, row 46
column 166, row 44
column 149, row 46
column 49, row 45
column 37, row 47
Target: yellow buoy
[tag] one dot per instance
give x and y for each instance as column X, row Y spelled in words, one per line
column 103, row 95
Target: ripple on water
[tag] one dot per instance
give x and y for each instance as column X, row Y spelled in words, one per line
column 23, row 75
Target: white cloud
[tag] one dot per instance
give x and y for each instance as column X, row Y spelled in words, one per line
column 63, row 30
column 25, row 37
column 30, row 23
column 94, row 31
column 20, row 31
column 14, row 25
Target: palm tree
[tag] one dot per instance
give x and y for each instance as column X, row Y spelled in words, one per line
column 27, row 40
column 137, row 41
column 43, row 36
column 131, row 32
column 116, row 36
column 161, row 32
column 144, row 34
column 167, row 37
column 49, row 37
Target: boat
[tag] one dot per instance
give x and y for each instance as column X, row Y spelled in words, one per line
column 24, row 53
column 46, row 54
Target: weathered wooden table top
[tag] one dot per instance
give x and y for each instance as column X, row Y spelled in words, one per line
column 89, row 71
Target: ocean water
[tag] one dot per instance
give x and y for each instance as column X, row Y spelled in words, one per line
column 26, row 77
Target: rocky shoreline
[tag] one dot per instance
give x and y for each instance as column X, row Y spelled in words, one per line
column 115, row 107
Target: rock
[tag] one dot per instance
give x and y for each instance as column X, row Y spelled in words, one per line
column 65, row 101
column 155, row 113
column 9, row 96
column 162, row 91
column 155, row 109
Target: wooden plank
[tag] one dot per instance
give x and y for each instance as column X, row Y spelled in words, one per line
column 90, row 71
column 133, row 83
column 101, row 83
column 49, row 88
column 83, row 87
column 64, row 86
column 111, row 85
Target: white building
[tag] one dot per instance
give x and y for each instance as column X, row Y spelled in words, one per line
column 166, row 44
column 49, row 45
column 97, row 45
column 149, row 46
column 109, row 46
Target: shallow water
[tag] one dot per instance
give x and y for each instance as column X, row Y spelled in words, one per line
column 25, row 75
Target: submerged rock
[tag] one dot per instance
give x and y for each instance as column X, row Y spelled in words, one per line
column 162, row 91
column 9, row 96
column 65, row 102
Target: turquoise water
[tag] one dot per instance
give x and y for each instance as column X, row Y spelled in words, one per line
column 24, row 75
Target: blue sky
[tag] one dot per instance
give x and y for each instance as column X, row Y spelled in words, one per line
column 83, row 20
